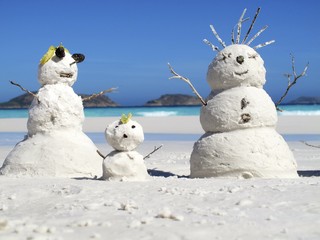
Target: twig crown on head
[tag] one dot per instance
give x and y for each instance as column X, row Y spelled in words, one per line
column 239, row 28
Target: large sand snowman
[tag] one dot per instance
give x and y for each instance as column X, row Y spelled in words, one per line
column 239, row 118
column 55, row 145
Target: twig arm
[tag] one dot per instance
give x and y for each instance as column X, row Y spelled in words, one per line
column 310, row 145
column 24, row 89
column 176, row 75
column 293, row 82
column 98, row 94
column 155, row 149
column 101, row 155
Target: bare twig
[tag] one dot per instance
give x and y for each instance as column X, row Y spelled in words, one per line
column 232, row 32
column 310, row 145
column 217, row 36
column 101, row 155
column 25, row 90
column 155, row 149
column 257, row 35
column 214, row 48
column 263, row 44
column 293, row 82
column 176, row 75
column 240, row 26
column 232, row 36
column 98, row 94
column 251, row 26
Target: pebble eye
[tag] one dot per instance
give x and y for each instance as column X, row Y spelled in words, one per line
column 60, row 52
column 133, row 126
column 240, row 59
column 116, row 126
column 78, row 57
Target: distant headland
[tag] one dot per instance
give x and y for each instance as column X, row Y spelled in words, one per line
column 174, row 100
column 305, row 101
column 24, row 101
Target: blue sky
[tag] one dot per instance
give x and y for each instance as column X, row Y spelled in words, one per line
column 128, row 43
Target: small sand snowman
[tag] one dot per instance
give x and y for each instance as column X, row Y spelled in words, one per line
column 239, row 117
column 124, row 163
column 55, row 145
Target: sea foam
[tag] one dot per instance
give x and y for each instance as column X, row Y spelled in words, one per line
column 157, row 114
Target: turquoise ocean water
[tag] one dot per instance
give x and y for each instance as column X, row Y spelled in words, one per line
column 10, row 139
column 306, row 110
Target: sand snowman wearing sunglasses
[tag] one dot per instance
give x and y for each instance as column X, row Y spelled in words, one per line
column 55, row 144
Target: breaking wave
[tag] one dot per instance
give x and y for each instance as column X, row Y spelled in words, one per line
column 288, row 110
column 300, row 110
column 157, row 114
column 299, row 113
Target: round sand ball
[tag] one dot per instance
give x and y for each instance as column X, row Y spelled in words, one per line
column 238, row 108
column 124, row 136
column 58, row 70
column 234, row 66
column 245, row 153
column 124, row 166
column 58, row 108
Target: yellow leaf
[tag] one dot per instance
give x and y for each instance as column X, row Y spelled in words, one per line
column 48, row 55
column 125, row 119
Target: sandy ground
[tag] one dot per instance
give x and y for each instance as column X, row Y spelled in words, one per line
column 169, row 205
column 176, row 124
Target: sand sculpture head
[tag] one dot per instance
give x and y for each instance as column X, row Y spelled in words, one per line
column 234, row 66
column 125, row 134
column 237, row 64
column 59, row 66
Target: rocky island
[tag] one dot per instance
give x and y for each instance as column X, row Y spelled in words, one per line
column 174, row 100
column 305, row 100
column 24, row 101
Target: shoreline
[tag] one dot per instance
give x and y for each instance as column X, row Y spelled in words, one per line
column 174, row 124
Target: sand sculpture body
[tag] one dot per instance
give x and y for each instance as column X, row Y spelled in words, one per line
column 124, row 163
column 239, row 118
column 55, row 145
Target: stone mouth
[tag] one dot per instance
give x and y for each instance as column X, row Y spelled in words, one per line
column 241, row 73
column 66, row 75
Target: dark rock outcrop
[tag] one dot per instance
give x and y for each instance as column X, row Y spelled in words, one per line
column 305, row 100
column 100, row 101
column 174, row 100
column 24, row 101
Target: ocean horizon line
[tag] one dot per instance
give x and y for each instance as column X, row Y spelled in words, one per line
column 162, row 111
column 159, row 106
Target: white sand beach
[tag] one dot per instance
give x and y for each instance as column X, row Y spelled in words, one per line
column 170, row 205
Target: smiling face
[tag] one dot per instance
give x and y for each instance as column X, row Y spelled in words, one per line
column 234, row 66
column 58, row 70
column 124, row 136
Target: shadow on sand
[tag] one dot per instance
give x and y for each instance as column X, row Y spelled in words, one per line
column 152, row 173
column 160, row 173
column 309, row 173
